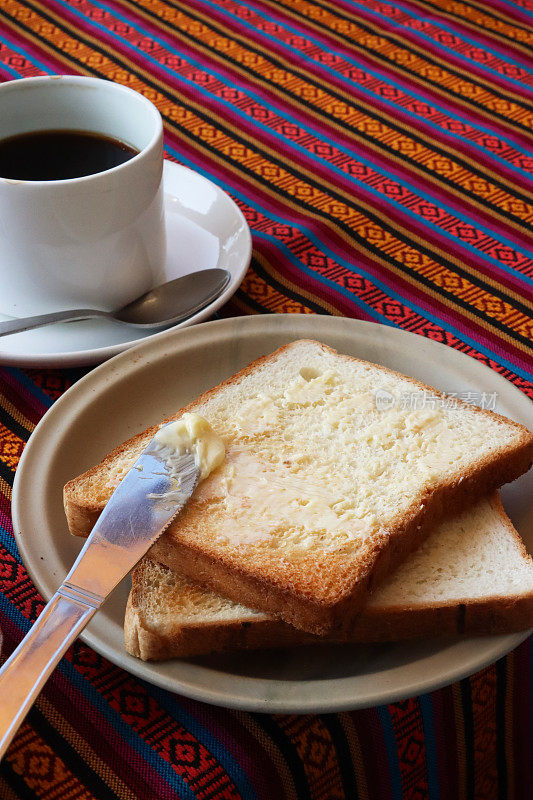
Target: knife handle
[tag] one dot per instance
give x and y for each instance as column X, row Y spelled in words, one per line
column 27, row 669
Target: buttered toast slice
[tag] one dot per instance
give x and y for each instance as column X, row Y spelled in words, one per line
column 325, row 487
column 472, row 576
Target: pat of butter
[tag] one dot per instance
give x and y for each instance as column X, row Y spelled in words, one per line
column 191, row 433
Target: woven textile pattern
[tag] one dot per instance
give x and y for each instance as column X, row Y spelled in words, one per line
column 382, row 155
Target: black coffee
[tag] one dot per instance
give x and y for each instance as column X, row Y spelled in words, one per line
column 58, row 155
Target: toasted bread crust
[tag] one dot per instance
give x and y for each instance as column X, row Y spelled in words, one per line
column 387, row 553
column 196, row 640
column 386, row 625
column 316, row 614
column 466, row 616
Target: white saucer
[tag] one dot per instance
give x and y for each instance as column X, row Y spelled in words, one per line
column 205, row 229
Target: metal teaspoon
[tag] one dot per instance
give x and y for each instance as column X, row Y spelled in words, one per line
column 165, row 305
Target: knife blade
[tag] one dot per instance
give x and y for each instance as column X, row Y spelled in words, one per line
column 147, row 499
column 143, row 505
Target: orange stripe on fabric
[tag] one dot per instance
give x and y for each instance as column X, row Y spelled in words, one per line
column 460, row 738
column 273, row 751
column 509, row 723
column 483, row 688
column 357, row 757
column 300, row 290
column 307, row 94
column 315, row 198
column 497, row 14
column 516, row 204
column 6, row 793
column 317, row 753
column 16, row 414
column 432, row 73
column 42, row 770
column 11, row 447
column 81, row 746
column 267, row 296
column 479, row 21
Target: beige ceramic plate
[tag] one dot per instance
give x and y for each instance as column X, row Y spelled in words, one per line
column 141, row 387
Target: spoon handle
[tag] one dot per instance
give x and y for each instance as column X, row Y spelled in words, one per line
column 26, row 323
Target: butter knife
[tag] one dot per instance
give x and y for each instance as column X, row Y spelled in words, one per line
column 145, row 502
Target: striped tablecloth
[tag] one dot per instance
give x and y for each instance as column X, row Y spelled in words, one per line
column 381, row 153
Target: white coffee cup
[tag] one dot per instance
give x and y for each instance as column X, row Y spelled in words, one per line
column 91, row 242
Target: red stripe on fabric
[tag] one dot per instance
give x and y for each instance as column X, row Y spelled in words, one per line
column 402, row 197
column 487, row 36
column 373, row 753
column 54, row 382
column 367, row 58
column 18, row 588
column 243, row 747
column 402, row 314
column 483, row 695
column 231, row 73
column 448, row 57
column 10, row 58
column 454, row 42
column 521, row 721
column 516, row 9
column 409, row 731
column 397, row 313
column 446, row 742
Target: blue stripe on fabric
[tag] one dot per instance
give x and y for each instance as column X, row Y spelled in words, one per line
column 343, row 262
column 20, row 50
column 428, row 723
column 32, row 388
column 348, row 81
column 101, row 705
column 282, row 112
column 209, row 740
column 518, row 7
column 377, row 74
column 424, row 313
column 438, row 46
column 367, row 308
column 9, row 70
column 392, row 752
column 354, row 299
column 317, row 159
column 289, row 255
column 8, row 543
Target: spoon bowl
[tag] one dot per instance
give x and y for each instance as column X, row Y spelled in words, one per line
column 166, row 305
column 175, row 300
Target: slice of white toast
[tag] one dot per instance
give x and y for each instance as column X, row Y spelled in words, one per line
column 472, row 576
column 325, row 487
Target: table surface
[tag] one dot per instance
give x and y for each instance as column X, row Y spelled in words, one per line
column 381, row 153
